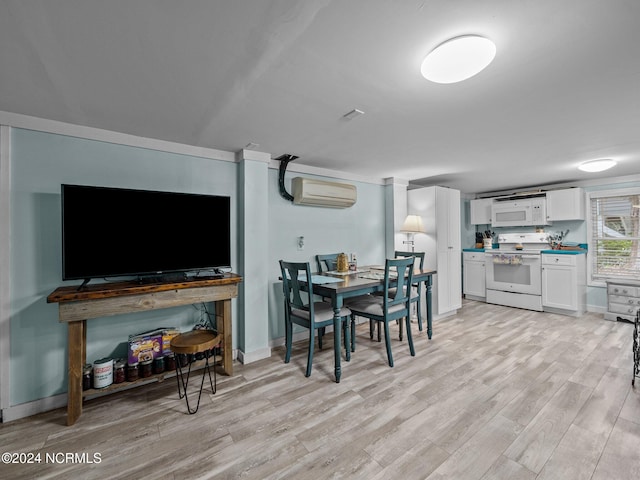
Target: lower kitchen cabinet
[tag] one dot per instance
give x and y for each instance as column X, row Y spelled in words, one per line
column 473, row 274
column 564, row 283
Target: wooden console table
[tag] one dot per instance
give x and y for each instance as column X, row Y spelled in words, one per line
column 75, row 307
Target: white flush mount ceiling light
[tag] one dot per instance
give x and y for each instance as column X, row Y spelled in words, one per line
column 458, row 59
column 597, row 165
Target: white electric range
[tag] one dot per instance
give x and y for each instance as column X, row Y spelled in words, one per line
column 513, row 271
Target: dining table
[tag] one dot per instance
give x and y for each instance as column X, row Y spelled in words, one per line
column 338, row 286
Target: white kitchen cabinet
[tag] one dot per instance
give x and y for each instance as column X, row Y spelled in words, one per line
column 564, row 283
column 439, row 208
column 480, row 211
column 567, row 204
column 473, row 275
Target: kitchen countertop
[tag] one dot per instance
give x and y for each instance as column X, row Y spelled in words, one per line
column 549, row 251
column 564, row 252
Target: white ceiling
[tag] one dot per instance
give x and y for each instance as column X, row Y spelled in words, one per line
column 564, row 86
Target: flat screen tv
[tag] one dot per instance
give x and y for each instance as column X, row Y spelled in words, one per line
column 110, row 232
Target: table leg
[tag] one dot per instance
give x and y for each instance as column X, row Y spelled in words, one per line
column 223, row 324
column 337, row 330
column 428, row 284
column 76, row 343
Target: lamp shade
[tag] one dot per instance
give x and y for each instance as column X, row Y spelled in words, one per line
column 413, row 224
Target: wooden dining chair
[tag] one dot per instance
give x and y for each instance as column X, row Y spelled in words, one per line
column 390, row 306
column 328, row 262
column 300, row 308
column 416, row 289
column 416, row 294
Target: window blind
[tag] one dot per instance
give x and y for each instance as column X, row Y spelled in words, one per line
column 615, row 241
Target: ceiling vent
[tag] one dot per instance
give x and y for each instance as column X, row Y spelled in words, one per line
column 319, row 193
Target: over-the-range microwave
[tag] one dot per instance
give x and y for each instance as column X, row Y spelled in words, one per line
column 515, row 212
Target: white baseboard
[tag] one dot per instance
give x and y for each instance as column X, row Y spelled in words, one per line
column 32, row 408
column 596, row 309
column 254, row 356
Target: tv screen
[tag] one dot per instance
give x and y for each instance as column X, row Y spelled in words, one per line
column 108, row 232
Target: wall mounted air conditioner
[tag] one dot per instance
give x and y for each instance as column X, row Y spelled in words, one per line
column 319, row 193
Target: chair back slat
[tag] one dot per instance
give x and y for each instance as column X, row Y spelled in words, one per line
column 327, row 262
column 418, row 255
column 293, row 275
column 403, row 267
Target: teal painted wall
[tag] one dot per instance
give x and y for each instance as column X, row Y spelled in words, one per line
column 40, row 163
column 358, row 229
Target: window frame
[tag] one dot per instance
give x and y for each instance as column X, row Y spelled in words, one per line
column 592, row 249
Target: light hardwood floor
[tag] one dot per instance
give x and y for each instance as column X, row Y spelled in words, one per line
column 498, row 393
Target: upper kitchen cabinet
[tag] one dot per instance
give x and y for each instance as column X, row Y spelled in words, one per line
column 568, row 204
column 480, row 211
column 439, row 208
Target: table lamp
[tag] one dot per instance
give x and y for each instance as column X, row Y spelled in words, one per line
column 412, row 225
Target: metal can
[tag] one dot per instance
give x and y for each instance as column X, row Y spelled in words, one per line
column 102, row 373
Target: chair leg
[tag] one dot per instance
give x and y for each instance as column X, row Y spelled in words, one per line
column 288, row 328
column 371, row 328
column 346, row 332
column 400, row 329
column 387, row 341
column 320, row 335
column 419, row 310
column 310, row 353
column 409, row 336
column 353, row 334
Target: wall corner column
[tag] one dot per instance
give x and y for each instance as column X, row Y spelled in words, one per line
column 253, row 230
column 5, row 267
column 395, row 213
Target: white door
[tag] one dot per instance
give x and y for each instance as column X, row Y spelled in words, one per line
column 440, row 210
column 474, row 280
column 559, row 287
